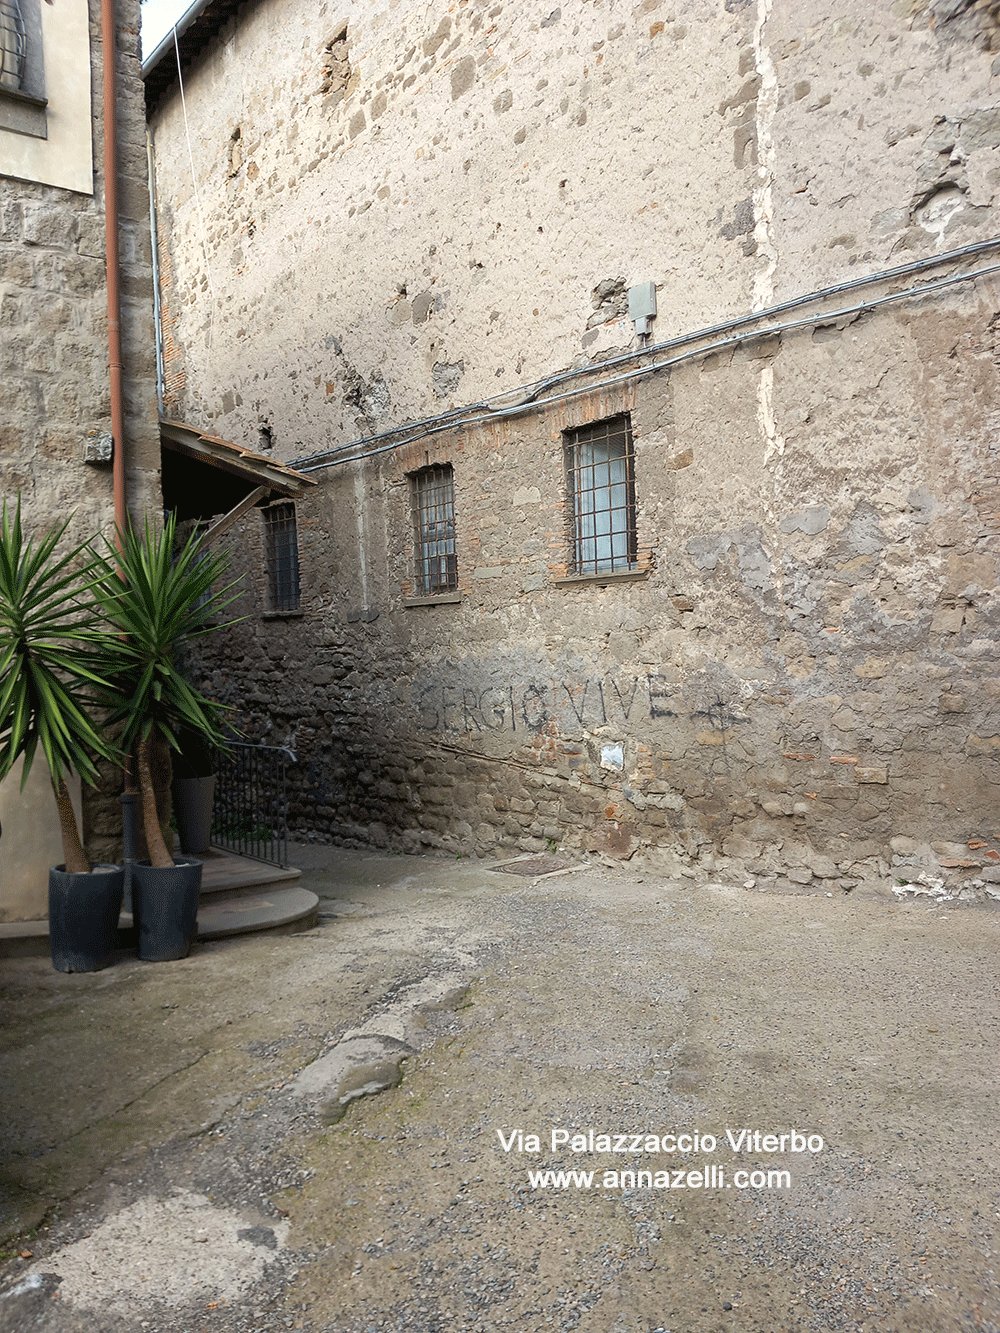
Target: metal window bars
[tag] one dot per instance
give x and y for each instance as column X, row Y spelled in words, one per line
column 282, row 557
column 250, row 816
column 13, row 45
column 433, row 494
column 601, row 491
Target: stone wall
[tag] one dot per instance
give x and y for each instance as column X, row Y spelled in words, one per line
column 446, row 204
column 54, row 346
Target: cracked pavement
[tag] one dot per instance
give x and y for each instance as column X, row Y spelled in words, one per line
column 302, row 1131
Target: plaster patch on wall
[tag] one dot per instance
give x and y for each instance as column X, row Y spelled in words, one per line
column 923, row 504
column 336, row 65
column 861, row 536
column 446, row 375
column 752, row 561
column 613, row 756
column 810, row 521
column 360, row 514
column 938, row 211
column 371, row 397
column 774, row 441
column 610, row 300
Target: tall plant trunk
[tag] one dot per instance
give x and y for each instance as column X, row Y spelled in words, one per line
column 161, row 768
column 73, row 854
column 158, row 854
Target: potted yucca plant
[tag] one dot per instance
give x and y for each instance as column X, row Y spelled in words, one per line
column 153, row 602
column 50, row 678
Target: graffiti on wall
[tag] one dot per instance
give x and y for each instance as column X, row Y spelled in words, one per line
column 595, row 701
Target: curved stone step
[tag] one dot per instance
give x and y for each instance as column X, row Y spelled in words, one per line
column 223, row 872
column 273, row 909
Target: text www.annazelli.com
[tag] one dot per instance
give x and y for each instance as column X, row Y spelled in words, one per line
column 711, row 1178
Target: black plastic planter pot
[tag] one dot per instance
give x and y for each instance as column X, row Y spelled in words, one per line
column 165, row 908
column 193, row 799
column 83, row 917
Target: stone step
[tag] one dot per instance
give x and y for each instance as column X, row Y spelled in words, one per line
column 238, row 897
column 224, row 872
column 276, row 909
column 24, row 939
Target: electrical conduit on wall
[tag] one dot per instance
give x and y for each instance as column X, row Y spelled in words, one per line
column 698, row 344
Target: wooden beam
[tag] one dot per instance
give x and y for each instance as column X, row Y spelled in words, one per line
column 227, row 520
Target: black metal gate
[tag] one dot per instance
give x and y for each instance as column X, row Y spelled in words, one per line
column 251, row 805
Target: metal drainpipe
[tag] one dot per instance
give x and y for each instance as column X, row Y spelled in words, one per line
column 128, row 798
column 111, row 250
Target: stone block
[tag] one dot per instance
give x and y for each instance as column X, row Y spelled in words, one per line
column 951, row 703
column 904, row 846
column 48, row 313
column 823, row 867
column 45, row 224
column 776, row 807
column 987, row 746
column 947, row 620
column 952, row 851
column 16, row 268
column 872, row 668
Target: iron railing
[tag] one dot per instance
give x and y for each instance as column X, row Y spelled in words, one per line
column 251, row 805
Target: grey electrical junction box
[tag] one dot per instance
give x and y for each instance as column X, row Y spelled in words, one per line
column 642, row 305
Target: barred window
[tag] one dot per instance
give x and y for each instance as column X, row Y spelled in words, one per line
column 282, row 557
column 432, row 492
column 13, row 45
column 22, row 71
column 601, row 493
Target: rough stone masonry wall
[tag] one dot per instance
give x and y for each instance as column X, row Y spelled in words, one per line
column 779, row 696
column 54, row 345
column 448, row 203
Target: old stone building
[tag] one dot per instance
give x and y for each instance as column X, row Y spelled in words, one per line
column 56, row 423
column 716, row 584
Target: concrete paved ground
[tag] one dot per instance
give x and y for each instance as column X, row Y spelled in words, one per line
column 304, row 1131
